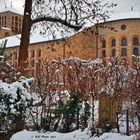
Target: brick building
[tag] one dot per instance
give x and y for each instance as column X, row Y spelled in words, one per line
column 10, row 22
column 118, row 37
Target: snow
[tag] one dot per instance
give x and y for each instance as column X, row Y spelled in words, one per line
column 11, row 9
column 10, row 90
column 13, row 41
column 76, row 135
column 125, row 15
column 4, row 28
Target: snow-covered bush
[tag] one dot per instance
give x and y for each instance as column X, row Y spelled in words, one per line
column 15, row 100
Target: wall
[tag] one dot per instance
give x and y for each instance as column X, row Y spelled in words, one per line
column 83, row 44
column 11, row 22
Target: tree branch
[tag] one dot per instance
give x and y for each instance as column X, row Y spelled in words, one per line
column 63, row 22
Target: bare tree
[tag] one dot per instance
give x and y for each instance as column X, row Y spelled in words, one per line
column 58, row 14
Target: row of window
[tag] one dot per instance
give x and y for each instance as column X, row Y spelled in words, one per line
column 16, row 18
column 3, row 18
column 122, row 43
column 16, row 24
column 3, row 21
column 13, row 18
column 123, row 52
column 13, row 55
column 34, row 63
column 38, row 53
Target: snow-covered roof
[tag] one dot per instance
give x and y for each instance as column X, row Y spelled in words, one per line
column 125, row 15
column 37, row 38
column 11, row 9
column 14, row 40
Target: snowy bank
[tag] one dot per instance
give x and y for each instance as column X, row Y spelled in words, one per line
column 76, row 135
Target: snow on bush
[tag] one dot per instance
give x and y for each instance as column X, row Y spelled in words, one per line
column 15, row 99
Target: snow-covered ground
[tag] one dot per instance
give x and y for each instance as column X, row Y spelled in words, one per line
column 76, row 135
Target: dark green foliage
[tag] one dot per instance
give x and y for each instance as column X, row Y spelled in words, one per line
column 106, row 125
column 68, row 110
column 13, row 110
column 2, row 49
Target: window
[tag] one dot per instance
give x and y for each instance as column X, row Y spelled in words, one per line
column 123, row 27
column 32, row 53
column 136, row 51
column 103, row 44
column 113, row 42
column 32, row 63
column 113, row 53
column 39, row 53
column 16, row 29
column 123, row 42
column 124, row 52
column 16, row 18
column 39, row 63
column 16, row 24
column 104, row 53
column 135, row 41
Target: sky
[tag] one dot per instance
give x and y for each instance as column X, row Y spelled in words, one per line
column 122, row 5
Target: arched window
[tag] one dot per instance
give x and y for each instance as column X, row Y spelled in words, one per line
column 103, row 44
column 124, row 52
column 39, row 53
column 135, row 41
column 123, row 41
column 113, row 53
column 16, row 18
column 38, row 63
column 104, row 53
column 32, row 53
column 33, row 63
column 136, row 51
column 113, row 42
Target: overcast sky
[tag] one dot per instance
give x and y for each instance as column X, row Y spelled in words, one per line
column 17, row 4
column 122, row 5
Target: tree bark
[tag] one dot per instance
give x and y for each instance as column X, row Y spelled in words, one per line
column 25, row 36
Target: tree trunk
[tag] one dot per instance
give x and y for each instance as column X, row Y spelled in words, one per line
column 25, row 36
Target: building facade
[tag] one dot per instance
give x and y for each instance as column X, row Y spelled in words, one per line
column 116, row 38
column 10, row 22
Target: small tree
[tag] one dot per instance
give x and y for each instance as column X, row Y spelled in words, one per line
column 68, row 111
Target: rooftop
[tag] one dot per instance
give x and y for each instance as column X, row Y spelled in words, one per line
column 11, row 9
column 125, row 15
